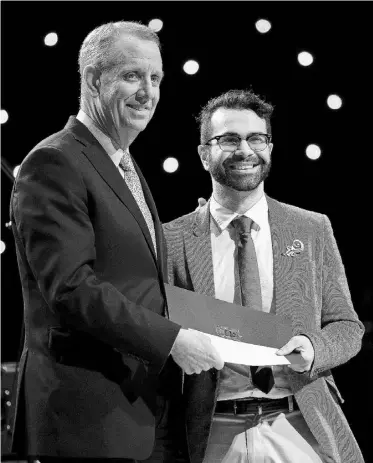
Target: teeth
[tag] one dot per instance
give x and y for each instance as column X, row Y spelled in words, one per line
column 251, row 166
column 138, row 108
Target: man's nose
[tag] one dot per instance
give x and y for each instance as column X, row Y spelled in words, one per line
column 145, row 92
column 244, row 148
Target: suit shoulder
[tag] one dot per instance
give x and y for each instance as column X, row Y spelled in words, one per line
column 303, row 214
column 57, row 141
column 181, row 223
column 56, row 149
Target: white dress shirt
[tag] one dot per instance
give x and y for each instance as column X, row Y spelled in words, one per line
column 224, row 256
column 223, row 244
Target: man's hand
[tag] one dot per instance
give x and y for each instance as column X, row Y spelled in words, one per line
column 302, row 345
column 193, row 352
column 201, row 203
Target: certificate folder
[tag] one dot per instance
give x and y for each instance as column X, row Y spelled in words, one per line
column 230, row 321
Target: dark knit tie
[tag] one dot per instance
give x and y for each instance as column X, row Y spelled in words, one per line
column 251, row 295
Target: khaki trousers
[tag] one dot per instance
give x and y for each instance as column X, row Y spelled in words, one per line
column 226, row 426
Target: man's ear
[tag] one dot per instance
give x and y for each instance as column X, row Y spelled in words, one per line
column 91, row 76
column 270, row 146
column 203, row 152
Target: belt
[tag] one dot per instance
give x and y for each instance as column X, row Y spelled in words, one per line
column 256, row 405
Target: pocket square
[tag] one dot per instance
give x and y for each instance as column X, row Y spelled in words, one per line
column 296, row 248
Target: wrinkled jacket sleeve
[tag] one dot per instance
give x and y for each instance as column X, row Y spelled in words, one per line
column 341, row 331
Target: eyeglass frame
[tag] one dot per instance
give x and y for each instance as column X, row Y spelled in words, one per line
column 217, row 138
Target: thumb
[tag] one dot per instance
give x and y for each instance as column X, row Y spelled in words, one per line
column 219, row 362
column 288, row 347
column 201, row 202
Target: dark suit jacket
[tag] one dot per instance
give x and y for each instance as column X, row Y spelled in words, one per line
column 96, row 335
column 310, row 289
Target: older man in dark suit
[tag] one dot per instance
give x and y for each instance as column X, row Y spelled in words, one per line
column 247, row 248
column 100, row 372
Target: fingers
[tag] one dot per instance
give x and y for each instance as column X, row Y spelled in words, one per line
column 298, row 369
column 194, row 352
column 201, row 203
column 289, row 347
column 300, row 343
column 303, row 345
column 219, row 363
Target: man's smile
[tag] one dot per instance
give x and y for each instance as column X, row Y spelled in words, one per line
column 139, row 108
column 244, row 166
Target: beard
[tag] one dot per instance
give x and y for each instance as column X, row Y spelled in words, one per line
column 225, row 177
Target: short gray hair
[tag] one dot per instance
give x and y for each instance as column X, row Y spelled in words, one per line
column 97, row 47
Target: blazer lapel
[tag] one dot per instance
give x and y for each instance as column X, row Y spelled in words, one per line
column 288, row 272
column 276, row 217
column 105, row 167
column 199, row 253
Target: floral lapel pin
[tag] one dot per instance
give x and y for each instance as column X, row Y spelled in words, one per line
column 296, row 248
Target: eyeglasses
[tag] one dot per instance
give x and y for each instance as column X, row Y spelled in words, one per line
column 256, row 141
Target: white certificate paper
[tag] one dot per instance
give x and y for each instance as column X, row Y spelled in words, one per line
column 246, row 354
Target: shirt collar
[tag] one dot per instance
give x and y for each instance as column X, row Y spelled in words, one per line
column 223, row 216
column 103, row 139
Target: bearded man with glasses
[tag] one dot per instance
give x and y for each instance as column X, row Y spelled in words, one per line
column 245, row 247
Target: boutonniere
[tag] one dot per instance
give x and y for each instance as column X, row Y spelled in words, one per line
column 296, row 248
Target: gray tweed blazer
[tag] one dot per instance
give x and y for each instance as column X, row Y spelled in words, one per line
column 310, row 288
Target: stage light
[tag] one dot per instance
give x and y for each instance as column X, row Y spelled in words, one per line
column 15, row 171
column 51, row 39
column 191, row 67
column 305, row 58
column 3, row 116
column 156, row 24
column 334, row 101
column 2, row 247
column 313, row 152
column 171, row 165
column 263, row 26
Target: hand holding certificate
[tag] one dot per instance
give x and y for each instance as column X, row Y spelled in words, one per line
column 194, row 352
column 240, row 335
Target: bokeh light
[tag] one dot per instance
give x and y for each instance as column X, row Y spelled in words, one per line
column 305, row 58
column 263, row 26
column 2, row 247
column 171, row 165
column 334, row 101
column 156, row 24
column 191, row 67
column 313, row 152
column 51, row 39
column 3, row 116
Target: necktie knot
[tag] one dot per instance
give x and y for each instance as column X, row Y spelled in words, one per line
column 243, row 225
column 126, row 162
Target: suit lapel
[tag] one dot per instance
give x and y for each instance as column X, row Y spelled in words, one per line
column 199, row 254
column 290, row 273
column 276, row 215
column 105, row 167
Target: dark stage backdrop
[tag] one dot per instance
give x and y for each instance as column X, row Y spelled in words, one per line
column 40, row 90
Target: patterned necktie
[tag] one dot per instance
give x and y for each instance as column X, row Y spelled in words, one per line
column 133, row 183
column 251, row 295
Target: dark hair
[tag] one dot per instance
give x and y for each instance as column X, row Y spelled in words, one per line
column 233, row 99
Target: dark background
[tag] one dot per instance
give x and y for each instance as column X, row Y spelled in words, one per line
column 40, row 90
